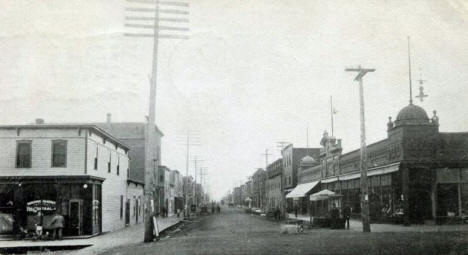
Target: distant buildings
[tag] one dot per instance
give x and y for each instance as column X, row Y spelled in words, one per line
column 273, row 186
column 415, row 175
column 258, row 188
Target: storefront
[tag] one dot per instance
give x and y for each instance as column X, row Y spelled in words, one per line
column 33, row 201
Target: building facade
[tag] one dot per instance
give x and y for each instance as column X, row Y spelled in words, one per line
column 134, row 135
column 291, row 163
column 416, row 174
column 78, row 171
column 273, row 186
column 258, row 188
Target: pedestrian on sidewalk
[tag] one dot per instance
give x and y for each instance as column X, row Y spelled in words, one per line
column 335, row 216
column 218, row 209
column 347, row 215
column 57, row 224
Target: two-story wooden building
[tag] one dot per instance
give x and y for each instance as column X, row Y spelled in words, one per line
column 78, row 171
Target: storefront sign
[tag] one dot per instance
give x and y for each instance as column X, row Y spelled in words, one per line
column 40, row 205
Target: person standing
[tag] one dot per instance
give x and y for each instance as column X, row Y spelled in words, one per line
column 347, row 215
column 57, row 224
column 335, row 216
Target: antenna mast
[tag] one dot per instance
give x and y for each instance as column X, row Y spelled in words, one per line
column 331, row 114
column 409, row 73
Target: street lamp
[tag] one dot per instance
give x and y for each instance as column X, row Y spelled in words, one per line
column 364, row 187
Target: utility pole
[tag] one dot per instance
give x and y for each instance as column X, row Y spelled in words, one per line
column 191, row 139
column 195, row 161
column 332, row 112
column 266, row 154
column 364, row 185
column 203, row 174
column 134, row 22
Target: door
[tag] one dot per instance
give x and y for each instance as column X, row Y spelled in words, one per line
column 76, row 216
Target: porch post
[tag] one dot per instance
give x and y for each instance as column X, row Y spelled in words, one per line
column 405, row 190
column 459, row 193
column 434, row 195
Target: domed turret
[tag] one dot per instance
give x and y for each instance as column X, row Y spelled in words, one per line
column 308, row 161
column 412, row 115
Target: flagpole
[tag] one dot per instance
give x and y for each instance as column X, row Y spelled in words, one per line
column 331, row 114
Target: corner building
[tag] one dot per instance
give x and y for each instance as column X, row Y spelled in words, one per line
column 416, row 174
column 78, row 171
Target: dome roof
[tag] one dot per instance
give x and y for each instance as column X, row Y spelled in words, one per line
column 308, row 160
column 412, row 115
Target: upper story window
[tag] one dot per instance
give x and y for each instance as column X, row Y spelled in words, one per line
column 23, row 154
column 109, row 163
column 59, row 153
column 118, row 166
column 96, row 158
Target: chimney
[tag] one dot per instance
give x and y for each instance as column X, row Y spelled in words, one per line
column 39, row 121
column 109, row 118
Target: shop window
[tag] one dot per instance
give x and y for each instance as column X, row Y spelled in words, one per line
column 447, row 199
column 464, row 197
column 23, row 154
column 59, row 153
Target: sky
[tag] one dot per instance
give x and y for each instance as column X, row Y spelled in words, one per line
column 253, row 73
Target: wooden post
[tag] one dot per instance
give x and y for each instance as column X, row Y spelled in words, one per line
column 405, row 190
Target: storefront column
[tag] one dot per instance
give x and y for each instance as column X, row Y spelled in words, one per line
column 405, row 190
column 459, row 193
column 434, row 196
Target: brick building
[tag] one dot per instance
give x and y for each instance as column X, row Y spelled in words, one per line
column 417, row 174
column 273, row 186
column 258, row 188
column 291, row 163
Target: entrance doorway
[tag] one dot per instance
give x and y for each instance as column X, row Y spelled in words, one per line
column 76, row 216
column 447, row 199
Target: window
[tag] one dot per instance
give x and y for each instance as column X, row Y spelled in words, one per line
column 118, row 166
column 59, row 153
column 121, row 207
column 23, row 154
column 96, row 159
column 109, row 163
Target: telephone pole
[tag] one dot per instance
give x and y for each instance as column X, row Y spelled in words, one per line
column 192, row 139
column 364, row 185
column 195, row 161
column 153, row 24
column 266, row 154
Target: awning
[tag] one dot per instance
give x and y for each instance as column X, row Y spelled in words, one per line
column 333, row 179
column 302, row 189
column 371, row 172
column 287, row 190
column 384, row 170
column 324, row 194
